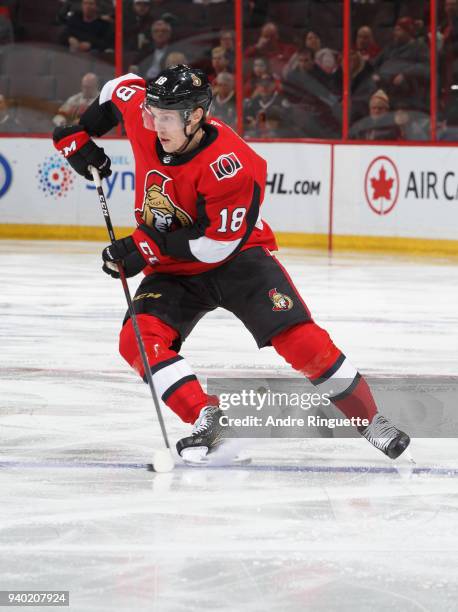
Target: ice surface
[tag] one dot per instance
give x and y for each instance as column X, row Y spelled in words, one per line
column 312, row 525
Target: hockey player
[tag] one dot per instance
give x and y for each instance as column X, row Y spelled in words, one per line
column 201, row 243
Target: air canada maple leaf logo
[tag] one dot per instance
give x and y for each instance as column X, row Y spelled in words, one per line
column 381, row 185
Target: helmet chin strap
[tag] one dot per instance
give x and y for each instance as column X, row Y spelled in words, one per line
column 189, row 137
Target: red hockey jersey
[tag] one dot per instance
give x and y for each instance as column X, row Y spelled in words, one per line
column 202, row 207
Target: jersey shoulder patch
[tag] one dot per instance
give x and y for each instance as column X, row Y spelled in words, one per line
column 122, row 89
column 226, row 166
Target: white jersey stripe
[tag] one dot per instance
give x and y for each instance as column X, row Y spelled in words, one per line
column 110, row 86
column 211, row 251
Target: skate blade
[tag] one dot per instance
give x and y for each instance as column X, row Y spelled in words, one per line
column 195, row 455
column 199, row 457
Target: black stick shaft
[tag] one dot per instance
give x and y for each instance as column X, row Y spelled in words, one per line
column 130, row 305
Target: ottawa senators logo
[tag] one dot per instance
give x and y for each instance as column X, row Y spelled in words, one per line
column 280, row 300
column 158, row 210
column 195, row 80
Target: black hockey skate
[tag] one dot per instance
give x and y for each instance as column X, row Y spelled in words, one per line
column 206, row 436
column 385, row 436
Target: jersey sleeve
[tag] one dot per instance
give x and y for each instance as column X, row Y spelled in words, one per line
column 118, row 101
column 227, row 212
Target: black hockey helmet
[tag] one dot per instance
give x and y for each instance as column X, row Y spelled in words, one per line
column 180, row 88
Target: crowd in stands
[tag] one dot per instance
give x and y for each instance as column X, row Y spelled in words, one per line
column 293, row 73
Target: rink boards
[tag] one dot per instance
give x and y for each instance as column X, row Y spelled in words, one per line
column 345, row 196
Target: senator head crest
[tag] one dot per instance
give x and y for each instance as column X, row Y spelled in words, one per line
column 158, row 210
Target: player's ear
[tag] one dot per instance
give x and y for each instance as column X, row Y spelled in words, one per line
column 197, row 115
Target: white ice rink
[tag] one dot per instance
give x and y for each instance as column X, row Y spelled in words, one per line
column 315, row 525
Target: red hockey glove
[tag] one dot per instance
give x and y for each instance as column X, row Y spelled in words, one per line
column 125, row 252
column 80, row 151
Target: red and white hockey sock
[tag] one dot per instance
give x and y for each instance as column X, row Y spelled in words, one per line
column 309, row 349
column 174, row 381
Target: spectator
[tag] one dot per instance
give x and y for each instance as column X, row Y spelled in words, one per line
column 223, row 105
column 270, row 47
column 362, row 85
column 259, row 69
column 70, row 7
column 449, row 54
column 137, row 26
column 310, row 40
column 313, row 41
column 157, row 51
column 412, row 124
column 256, row 106
column 316, row 109
column 72, row 109
column 306, row 80
column 174, row 58
column 8, row 123
column 226, row 41
column 380, row 124
column 220, row 63
column 86, row 31
column 275, row 124
column 326, row 60
column 402, row 69
column 365, row 43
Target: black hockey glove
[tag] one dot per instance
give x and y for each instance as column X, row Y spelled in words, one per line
column 125, row 252
column 81, row 151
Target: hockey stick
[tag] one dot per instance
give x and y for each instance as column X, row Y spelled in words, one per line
column 162, row 460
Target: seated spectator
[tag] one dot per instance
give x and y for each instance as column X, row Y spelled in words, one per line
column 275, row 124
column 223, row 105
column 226, row 41
column 174, row 58
column 310, row 40
column 402, row 67
column 326, row 60
column 412, row 125
column 365, row 43
column 86, row 31
column 316, row 109
column 306, row 80
column 72, row 109
column 256, row 106
column 362, row 85
column 380, row 124
column 137, row 25
column 448, row 64
column 158, row 49
column 259, row 69
column 220, row 63
column 270, row 47
column 69, row 7
column 8, row 123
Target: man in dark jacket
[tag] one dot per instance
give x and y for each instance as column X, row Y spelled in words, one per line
column 402, row 68
column 86, row 31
